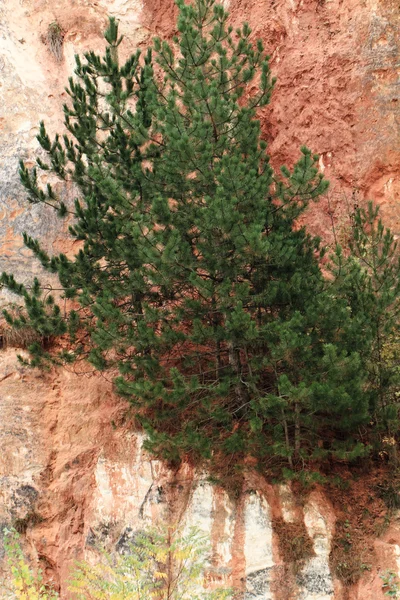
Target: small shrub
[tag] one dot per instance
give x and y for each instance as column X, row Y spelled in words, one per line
column 159, row 564
column 23, row 583
column 55, row 39
column 388, row 491
column 381, row 525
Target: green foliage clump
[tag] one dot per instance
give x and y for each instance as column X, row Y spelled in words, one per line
column 390, row 584
column 368, row 278
column 193, row 279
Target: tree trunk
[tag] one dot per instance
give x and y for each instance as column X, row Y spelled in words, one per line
column 241, row 392
column 296, row 429
column 287, row 440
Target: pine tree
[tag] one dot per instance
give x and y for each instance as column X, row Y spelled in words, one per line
column 369, row 279
column 193, row 278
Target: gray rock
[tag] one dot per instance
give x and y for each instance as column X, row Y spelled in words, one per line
column 258, row 585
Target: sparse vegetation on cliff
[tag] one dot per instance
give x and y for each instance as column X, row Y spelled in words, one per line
column 194, row 284
column 390, row 584
column 21, row 581
column 159, row 564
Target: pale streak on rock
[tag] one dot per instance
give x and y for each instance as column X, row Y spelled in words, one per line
column 123, row 490
column 199, row 511
column 287, row 503
column 315, row 579
column 198, row 515
column 396, row 549
column 124, row 8
column 258, row 548
column 223, row 544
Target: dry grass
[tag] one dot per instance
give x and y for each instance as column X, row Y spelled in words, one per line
column 350, row 555
column 54, row 39
column 17, row 338
column 295, row 545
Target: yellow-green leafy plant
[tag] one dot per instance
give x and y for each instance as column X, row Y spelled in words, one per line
column 22, row 582
column 159, row 565
column 156, row 565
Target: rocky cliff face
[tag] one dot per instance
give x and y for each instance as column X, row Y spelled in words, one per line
column 72, row 472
